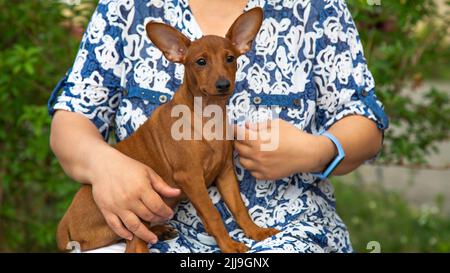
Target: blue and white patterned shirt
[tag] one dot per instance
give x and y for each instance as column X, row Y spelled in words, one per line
column 307, row 62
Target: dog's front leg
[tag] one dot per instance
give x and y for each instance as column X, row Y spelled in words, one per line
column 193, row 185
column 228, row 187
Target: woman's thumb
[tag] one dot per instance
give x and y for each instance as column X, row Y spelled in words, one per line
column 160, row 186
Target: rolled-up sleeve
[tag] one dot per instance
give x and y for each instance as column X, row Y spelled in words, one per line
column 92, row 87
column 343, row 81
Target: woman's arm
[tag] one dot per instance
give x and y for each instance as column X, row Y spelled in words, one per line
column 298, row 151
column 76, row 142
column 360, row 139
column 123, row 188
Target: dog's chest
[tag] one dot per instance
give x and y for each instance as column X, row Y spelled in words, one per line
column 215, row 159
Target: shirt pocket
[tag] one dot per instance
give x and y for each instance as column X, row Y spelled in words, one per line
column 136, row 106
column 147, row 96
column 296, row 108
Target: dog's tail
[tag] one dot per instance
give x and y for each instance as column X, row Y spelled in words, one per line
column 63, row 234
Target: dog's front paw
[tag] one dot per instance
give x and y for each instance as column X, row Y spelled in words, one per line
column 262, row 233
column 234, row 247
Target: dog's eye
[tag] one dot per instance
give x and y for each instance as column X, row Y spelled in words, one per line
column 201, row 62
column 230, row 59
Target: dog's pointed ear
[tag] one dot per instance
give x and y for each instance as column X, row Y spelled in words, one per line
column 170, row 41
column 244, row 29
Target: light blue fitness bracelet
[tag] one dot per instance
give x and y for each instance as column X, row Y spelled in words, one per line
column 338, row 159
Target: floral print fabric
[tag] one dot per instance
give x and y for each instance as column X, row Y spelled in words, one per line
column 307, row 65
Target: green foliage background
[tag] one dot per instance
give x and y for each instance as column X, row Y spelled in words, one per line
column 405, row 42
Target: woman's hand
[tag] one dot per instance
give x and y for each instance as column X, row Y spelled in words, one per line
column 123, row 188
column 279, row 149
column 126, row 190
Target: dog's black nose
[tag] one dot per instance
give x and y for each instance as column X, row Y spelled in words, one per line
column 223, row 85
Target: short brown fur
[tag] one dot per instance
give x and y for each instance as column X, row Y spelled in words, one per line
column 191, row 165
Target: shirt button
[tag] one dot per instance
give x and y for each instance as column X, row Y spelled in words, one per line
column 257, row 100
column 297, row 102
column 163, row 99
column 364, row 93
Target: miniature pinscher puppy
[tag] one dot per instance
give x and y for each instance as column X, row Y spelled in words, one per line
column 190, row 165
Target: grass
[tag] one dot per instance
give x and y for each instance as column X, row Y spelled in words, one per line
column 374, row 214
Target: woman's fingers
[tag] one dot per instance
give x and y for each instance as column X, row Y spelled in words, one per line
column 156, row 205
column 160, row 186
column 247, row 156
column 116, row 225
column 244, row 135
column 254, row 135
column 133, row 224
column 248, row 164
column 253, row 167
column 260, row 126
column 243, row 150
column 144, row 213
column 258, row 175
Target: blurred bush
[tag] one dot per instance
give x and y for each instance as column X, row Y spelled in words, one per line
column 36, row 47
column 373, row 214
column 404, row 44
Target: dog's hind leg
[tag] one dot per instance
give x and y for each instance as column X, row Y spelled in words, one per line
column 84, row 224
column 101, row 237
column 63, row 235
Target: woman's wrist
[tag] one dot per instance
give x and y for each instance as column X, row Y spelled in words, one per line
column 96, row 155
column 324, row 151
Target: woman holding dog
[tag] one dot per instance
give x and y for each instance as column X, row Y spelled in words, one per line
column 307, row 63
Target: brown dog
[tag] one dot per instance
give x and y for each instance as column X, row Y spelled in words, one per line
column 191, row 165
